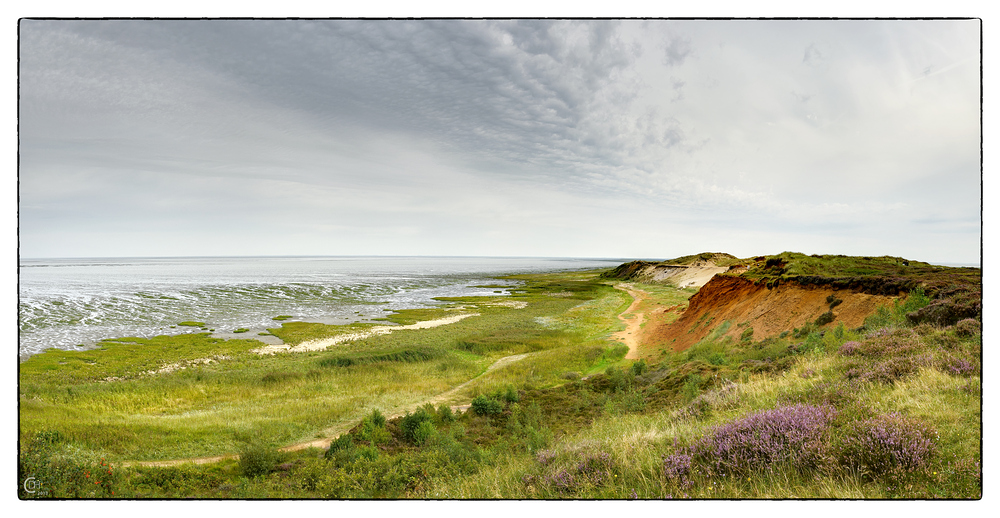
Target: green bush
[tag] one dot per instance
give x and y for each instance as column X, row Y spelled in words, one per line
column 373, row 430
column 344, row 443
column 485, row 405
column 411, row 426
column 445, row 415
column 257, row 459
column 639, row 368
column 824, row 319
column 424, row 431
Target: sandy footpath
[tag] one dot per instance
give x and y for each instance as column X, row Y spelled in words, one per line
column 633, row 320
column 323, row 343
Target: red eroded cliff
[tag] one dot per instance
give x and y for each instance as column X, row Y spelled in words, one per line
column 768, row 311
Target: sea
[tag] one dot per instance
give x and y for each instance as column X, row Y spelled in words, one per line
column 75, row 303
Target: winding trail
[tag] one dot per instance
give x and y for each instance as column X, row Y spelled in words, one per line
column 633, row 320
column 334, row 432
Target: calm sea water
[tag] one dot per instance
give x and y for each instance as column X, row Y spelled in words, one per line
column 72, row 303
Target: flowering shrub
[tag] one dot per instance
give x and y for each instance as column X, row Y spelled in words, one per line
column 967, row 327
column 586, row 469
column 562, row 481
column 886, row 371
column 887, row 444
column 545, row 457
column 677, row 467
column 958, row 366
column 595, row 468
column 786, row 435
column 850, row 348
column 884, row 356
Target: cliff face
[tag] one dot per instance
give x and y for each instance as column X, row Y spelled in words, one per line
column 768, row 311
column 691, row 271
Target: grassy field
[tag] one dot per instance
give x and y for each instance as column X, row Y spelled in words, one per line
column 890, row 410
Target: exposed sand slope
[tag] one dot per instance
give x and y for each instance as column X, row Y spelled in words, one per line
column 694, row 276
column 767, row 310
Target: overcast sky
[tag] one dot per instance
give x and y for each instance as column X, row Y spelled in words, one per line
column 627, row 138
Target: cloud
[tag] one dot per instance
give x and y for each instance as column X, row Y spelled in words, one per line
column 676, row 50
column 358, row 123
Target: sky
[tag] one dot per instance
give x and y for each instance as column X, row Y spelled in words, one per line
column 558, row 138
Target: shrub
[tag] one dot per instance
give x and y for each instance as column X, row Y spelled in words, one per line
column 588, row 469
column 825, row 319
column 849, row 348
column 485, row 405
column 445, row 414
column 257, row 459
column 639, row 368
column 373, row 429
column 968, row 327
column 887, row 444
column 509, row 395
column 376, row 418
column 884, row 371
column 787, row 435
column 692, row 386
column 884, row 356
column 957, row 366
column 411, row 424
column 747, row 335
column 423, row 432
column 677, row 467
column 344, row 443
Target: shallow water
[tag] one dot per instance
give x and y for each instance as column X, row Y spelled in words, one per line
column 73, row 303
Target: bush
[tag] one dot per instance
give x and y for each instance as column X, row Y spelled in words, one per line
column 789, row 435
column 445, row 414
column 617, row 379
column 411, row 425
column 257, row 459
column 639, row 368
column 968, row 327
column 825, row 319
column 373, row 429
column 485, row 405
column 677, row 467
column 344, row 443
column 887, row 444
column 957, row 366
column 884, row 356
column 423, row 432
column 581, row 471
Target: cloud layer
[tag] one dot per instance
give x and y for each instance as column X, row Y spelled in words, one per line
column 645, row 138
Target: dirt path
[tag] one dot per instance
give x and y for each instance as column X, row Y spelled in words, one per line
column 633, row 320
column 334, row 432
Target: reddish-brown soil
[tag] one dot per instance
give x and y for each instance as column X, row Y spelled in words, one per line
column 768, row 311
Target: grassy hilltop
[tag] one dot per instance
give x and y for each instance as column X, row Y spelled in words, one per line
column 533, row 397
